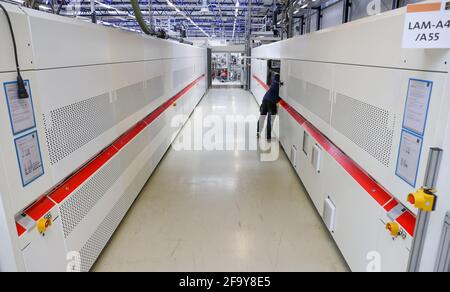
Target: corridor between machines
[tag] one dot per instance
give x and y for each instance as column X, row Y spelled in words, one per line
column 129, row 140
column 222, row 210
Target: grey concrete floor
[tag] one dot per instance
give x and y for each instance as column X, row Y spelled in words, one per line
column 222, row 211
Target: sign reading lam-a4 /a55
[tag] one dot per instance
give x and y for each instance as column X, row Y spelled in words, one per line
column 427, row 26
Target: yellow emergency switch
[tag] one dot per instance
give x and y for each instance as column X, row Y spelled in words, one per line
column 393, row 228
column 423, row 200
column 43, row 225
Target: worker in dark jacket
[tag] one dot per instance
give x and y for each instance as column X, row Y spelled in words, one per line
column 269, row 106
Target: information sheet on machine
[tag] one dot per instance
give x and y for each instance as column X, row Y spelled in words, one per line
column 409, row 157
column 20, row 110
column 417, row 102
column 29, row 156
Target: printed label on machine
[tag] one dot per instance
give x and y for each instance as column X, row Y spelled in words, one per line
column 20, row 110
column 29, row 156
column 427, row 26
column 409, row 157
column 417, row 103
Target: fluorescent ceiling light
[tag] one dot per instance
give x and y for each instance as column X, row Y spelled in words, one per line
column 43, row 7
column 236, row 12
column 187, row 17
column 118, row 11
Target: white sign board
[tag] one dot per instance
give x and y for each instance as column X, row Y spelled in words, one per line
column 417, row 103
column 409, row 157
column 29, row 156
column 20, row 110
column 427, row 26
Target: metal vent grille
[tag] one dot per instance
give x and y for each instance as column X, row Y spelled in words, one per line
column 181, row 76
column 69, row 128
column 77, row 124
column 78, row 205
column 135, row 97
column 369, row 127
column 94, row 246
column 313, row 97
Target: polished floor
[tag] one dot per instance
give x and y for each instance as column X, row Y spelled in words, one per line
column 222, row 211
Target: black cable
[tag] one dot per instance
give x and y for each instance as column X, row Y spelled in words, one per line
column 22, row 91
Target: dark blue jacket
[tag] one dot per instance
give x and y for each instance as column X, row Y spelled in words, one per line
column 273, row 94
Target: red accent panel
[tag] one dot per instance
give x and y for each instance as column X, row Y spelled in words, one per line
column 293, row 113
column 408, row 222
column 130, row 135
column 70, row 185
column 76, row 180
column 360, row 176
column 377, row 192
column 263, row 84
column 366, row 182
column 20, row 229
column 40, row 208
column 392, row 204
column 155, row 114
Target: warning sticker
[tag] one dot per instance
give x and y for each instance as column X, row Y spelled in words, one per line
column 30, row 159
column 21, row 111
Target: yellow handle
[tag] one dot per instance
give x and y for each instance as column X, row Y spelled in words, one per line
column 43, row 225
column 422, row 200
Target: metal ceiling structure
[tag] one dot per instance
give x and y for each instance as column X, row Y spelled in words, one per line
column 217, row 19
column 225, row 20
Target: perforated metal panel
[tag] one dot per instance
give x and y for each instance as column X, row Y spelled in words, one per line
column 70, row 127
column 368, row 126
column 97, row 242
column 133, row 98
column 181, row 76
column 313, row 97
column 78, row 205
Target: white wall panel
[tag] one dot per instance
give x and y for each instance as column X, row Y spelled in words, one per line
column 366, row 72
column 90, row 85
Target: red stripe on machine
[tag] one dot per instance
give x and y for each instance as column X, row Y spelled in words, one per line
column 20, row 229
column 40, row 208
column 64, row 190
column 408, row 221
column 123, row 140
column 76, row 180
column 391, row 205
column 291, row 111
column 376, row 191
column 263, row 84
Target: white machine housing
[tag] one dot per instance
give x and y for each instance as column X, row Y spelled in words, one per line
column 103, row 102
column 344, row 91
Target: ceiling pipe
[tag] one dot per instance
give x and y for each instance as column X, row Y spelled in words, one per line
column 140, row 19
column 149, row 30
